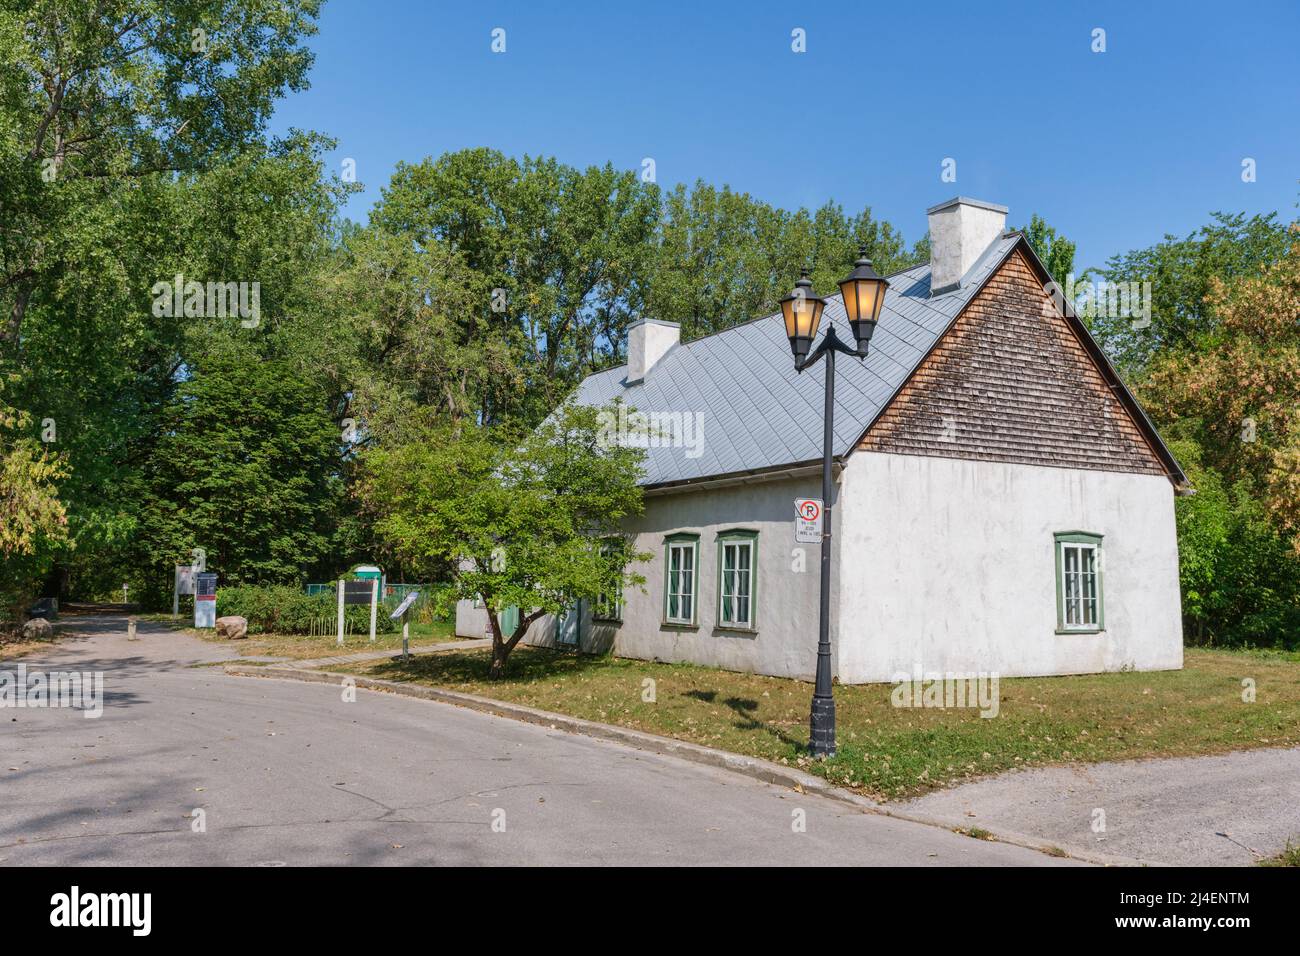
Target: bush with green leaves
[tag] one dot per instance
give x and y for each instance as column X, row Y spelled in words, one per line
column 282, row 609
column 1240, row 578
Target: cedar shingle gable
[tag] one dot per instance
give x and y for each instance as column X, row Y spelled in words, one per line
column 1011, row 381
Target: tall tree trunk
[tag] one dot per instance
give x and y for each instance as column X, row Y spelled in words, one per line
column 501, row 648
column 9, row 335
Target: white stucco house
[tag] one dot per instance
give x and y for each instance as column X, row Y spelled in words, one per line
column 1002, row 504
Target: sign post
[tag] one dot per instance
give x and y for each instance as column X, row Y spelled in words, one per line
column 808, row 520
column 183, row 584
column 374, row 604
column 341, row 583
column 358, row 592
column 406, row 626
column 205, row 600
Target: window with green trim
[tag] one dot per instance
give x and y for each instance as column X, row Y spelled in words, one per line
column 608, row 607
column 681, row 578
column 1079, row 600
column 737, row 569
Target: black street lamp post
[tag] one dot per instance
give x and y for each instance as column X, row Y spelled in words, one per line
column 864, row 293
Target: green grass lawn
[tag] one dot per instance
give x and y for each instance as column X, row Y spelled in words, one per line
column 304, row 646
column 889, row 752
column 1288, row 857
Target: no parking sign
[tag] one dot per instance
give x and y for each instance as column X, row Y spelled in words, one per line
column 808, row 520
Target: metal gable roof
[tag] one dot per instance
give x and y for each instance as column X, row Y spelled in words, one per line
column 755, row 412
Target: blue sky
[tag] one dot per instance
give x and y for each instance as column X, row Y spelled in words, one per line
column 1114, row 149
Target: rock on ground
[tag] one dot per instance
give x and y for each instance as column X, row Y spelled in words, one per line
column 233, row 627
column 38, row 629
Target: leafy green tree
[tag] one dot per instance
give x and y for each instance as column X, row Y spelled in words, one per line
column 247, row 470
column 100, row 95
column 554, row 259
column 1238, row 393
column 724, row 258
column 1180, row 272
column 534, row 520
column 408, row 321
column 113, row 117
column 1240, row 580
column 1055, row 251
column 32, row 518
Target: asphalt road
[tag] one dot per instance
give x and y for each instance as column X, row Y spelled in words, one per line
column 290, row 773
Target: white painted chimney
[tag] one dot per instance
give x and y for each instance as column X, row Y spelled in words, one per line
column 960, row 230
column 647, row 342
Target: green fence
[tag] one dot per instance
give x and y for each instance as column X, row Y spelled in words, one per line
column 391, row 594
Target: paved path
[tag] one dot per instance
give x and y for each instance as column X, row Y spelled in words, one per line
column 363, row 656
column 1168, row 811
column 290, row 773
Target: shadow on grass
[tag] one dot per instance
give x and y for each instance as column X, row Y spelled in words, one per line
column 538, row 666
column 744, row 709
column 525, row 666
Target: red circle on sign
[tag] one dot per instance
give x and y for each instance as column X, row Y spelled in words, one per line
column 809, row 510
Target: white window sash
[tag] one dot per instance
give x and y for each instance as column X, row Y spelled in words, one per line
column 1078, row 586
column 736, row 599
column 681, row 583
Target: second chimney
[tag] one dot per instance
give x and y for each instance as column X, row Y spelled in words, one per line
column 648, row 340
column 960, row 230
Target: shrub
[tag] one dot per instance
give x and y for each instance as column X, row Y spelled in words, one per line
column 1240, row 577
column 282, row 609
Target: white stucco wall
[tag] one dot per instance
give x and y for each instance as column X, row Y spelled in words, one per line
column 949, row 564
column 784, row 640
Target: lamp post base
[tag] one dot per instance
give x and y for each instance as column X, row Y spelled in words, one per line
column 821, row 737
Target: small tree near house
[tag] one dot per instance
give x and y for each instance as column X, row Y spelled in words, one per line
column 533, row 520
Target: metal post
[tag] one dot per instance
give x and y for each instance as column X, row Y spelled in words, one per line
column 340, row 611
column 374, row 603
column 176, row 591
column 821, row 737
column 406, row 639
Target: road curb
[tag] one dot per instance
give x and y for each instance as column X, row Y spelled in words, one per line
column 762, row 770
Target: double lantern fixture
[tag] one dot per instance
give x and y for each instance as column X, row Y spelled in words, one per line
column 864, row 294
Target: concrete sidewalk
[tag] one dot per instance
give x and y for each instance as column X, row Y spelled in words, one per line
column 1226, row 810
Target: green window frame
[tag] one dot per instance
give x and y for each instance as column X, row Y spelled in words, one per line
column 1080, row 592
column 681, row 578
column 737, row 579
column 608, row 607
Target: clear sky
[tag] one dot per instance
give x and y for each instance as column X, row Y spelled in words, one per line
column 1114, row 149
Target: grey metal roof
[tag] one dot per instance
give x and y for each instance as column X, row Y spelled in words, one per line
column 756, row 412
